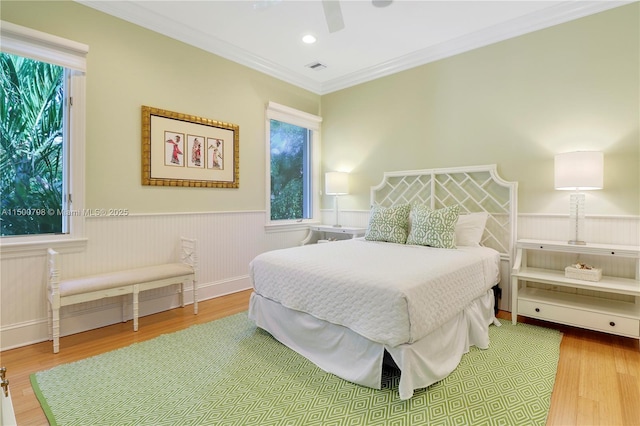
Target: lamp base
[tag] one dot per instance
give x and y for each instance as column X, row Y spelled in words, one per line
column 576, row 218
column 337, row 211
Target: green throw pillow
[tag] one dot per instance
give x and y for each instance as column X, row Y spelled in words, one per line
column 434, row 228
column 390, row 224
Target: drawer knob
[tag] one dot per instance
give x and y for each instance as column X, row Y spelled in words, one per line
column 612, row 324
column 537, row 309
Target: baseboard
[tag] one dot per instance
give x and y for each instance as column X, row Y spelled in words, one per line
column 23, row 334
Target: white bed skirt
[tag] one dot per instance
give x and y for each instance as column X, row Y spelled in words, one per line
column 338, row 350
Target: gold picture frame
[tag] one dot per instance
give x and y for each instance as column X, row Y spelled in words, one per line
column 185, row 150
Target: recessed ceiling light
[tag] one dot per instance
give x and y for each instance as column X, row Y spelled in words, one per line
column 309, row 39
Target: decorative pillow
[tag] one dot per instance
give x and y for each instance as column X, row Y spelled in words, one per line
column 434, row 228
column 470, row 228
column 389, row 224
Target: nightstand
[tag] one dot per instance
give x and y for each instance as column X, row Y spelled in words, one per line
column 325, row 231
column 611, row 305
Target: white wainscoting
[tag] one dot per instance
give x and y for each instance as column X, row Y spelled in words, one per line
column 227, row 242
column 624, row 230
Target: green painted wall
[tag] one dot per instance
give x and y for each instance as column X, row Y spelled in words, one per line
column 515, row 103
column 129, row 66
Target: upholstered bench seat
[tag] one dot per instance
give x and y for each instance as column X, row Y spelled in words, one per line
column 110, row 280
column 119, row 283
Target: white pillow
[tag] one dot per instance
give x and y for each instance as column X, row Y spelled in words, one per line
column 470, row 228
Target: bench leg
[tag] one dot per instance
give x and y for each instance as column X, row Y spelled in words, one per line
column 55, row 328
column 195, row 296
column 136, row 291
column 49, row 321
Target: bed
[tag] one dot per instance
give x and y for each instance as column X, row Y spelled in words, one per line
column 418, row 289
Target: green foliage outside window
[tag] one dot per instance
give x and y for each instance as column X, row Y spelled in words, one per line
column 31, row 146
column 289, row 145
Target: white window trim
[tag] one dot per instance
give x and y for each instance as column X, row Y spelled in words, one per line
column 45, row 47
column 312, row 122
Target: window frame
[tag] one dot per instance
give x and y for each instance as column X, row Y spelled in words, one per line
column 71, row 55
column 275, row 111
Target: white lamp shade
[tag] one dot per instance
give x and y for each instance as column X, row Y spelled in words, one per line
column 580, row 170
column 336, row 183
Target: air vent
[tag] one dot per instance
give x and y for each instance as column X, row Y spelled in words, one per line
column 316, row 66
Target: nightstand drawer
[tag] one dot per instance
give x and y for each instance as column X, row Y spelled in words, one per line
column 580, row 318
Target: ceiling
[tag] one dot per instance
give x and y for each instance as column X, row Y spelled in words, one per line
column 376, row 41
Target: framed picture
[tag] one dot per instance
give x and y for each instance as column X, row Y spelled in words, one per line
column 184, row 150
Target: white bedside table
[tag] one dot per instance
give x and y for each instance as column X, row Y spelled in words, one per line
column 593, row 310
column 323, row 230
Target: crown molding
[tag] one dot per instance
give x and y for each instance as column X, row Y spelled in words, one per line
column 145, row 17
column 559, row 14
column 563, row 12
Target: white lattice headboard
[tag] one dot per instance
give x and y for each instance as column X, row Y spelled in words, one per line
column 475, row 189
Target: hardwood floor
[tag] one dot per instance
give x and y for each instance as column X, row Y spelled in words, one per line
column 598, row 379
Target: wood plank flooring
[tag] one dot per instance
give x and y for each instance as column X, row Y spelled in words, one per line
column 598, row 379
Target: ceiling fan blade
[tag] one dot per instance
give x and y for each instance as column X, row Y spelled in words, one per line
column 333, row 15
column 381, row 3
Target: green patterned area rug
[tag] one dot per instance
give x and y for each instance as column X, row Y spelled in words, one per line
column 227, row 372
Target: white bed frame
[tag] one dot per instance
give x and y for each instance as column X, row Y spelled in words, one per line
column 475, row 189
column 353, row 357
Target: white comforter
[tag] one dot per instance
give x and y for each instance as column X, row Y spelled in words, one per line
column 389, row 293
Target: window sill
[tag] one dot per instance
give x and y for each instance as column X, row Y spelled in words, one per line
column 289, row 226
column 37, row 247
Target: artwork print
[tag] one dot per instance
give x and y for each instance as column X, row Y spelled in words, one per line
column 195, row 150
column 185, row 150
column 215, row 149
column 174, row 149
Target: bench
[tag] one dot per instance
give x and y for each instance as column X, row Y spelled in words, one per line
column 120, row 283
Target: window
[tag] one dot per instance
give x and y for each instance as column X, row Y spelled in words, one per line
column 42, row 147
column 33, row 113
column 293, row 166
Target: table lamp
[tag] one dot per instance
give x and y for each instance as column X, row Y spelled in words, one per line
column 336, row 183
column 578, row 171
